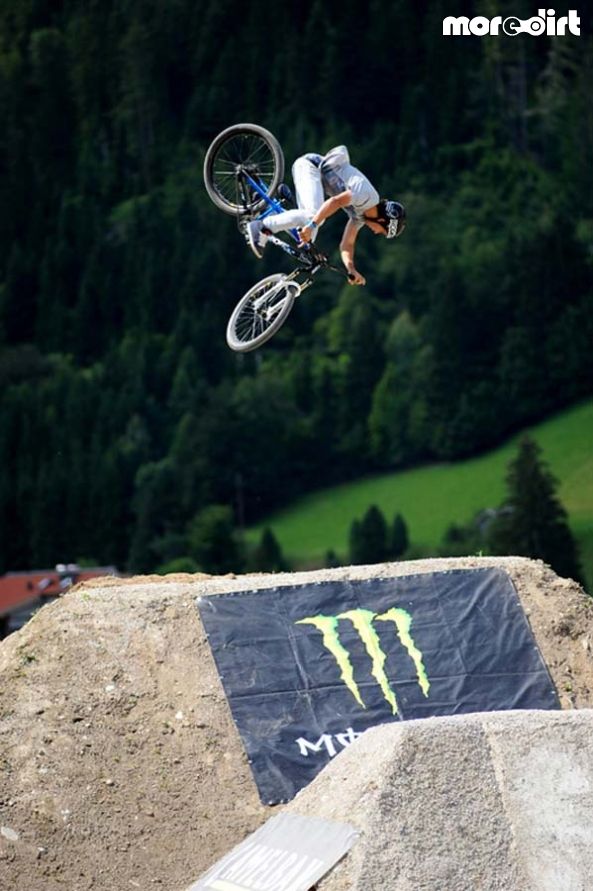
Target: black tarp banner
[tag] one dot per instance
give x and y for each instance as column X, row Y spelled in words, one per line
column 307, row 668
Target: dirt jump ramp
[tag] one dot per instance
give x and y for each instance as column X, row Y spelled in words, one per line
column 121, row 768
column 500, row 801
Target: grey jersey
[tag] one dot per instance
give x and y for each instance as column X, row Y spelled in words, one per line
column 338, row 174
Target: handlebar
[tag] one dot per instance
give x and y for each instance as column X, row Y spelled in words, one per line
column 308, row 256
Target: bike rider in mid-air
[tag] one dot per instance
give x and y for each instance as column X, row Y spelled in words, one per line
column 316, row 176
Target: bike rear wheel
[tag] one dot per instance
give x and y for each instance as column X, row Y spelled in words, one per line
column 261, row 312
column 242, row 148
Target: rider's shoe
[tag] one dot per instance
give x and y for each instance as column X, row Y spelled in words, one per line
column 257, row 237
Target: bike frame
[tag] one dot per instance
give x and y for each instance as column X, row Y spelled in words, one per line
column 274, row 206
column 311, row 264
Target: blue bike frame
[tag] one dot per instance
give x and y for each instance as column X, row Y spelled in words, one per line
column 273, row 205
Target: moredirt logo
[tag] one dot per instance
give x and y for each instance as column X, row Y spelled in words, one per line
column 544, row 22
column 363, row 621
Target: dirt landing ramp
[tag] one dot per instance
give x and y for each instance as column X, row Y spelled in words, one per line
column 497, row 802
column 120, row 765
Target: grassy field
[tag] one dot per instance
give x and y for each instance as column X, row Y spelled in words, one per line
column 432, row 497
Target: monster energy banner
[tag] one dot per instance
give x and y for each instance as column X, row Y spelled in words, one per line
column 307, row 668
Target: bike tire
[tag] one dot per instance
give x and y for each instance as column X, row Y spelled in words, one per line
column 249, row 145
column 249, row 326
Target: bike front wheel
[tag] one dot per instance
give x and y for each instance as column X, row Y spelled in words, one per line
column 238, row 150
column 261, row 312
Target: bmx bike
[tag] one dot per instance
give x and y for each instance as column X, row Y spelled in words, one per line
column 243, row 171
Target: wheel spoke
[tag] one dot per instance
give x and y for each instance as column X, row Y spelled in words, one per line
column 242, row 150
column 261, row 311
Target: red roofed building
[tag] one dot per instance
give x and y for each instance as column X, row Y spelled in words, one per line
column 22, row 593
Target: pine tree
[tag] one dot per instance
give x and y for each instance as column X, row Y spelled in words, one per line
column 213, row 542
column 331, row 559
column 17, row 302
column 268, row 556
column 534, row 522
column 399, row 539
column 353, row 333
column 368, row 538
column 53, row 113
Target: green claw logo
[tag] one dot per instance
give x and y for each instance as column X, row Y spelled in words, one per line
column 363, row 622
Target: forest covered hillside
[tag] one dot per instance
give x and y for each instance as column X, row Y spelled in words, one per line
column 123, row 415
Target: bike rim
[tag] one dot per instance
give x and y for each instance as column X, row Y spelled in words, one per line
column 247, row 151
column 261, row 311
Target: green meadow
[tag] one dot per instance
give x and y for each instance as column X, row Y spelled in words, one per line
column 434, row 496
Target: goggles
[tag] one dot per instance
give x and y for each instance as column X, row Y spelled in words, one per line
column 392, row 229
column 395, row 219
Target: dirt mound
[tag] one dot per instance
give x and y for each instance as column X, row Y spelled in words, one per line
column 120, row 766
column 498, row 801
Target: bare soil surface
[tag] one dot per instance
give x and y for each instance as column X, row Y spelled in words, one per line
column 120, row 766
